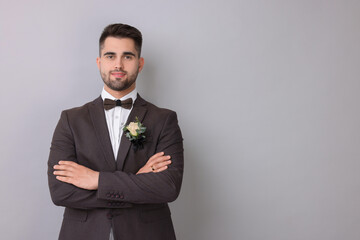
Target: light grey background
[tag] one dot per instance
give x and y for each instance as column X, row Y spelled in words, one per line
column 266, row 92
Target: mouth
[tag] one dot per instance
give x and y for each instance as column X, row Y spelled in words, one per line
column 118, row 74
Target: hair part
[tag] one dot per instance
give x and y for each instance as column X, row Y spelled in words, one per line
column 120, row 30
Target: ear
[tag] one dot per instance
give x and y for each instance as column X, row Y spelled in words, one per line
column 141, row 63
column 98, row 62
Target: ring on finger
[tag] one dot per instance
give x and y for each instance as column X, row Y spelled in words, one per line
column 152, row 168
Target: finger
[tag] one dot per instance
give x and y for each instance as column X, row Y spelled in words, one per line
column 162, row 164
column 160, row 169
column 64, row 179
column 64, row 167
column 157, row 166
column 69, row 163
column 160, row 159
column 63, row 173
column 156, row 155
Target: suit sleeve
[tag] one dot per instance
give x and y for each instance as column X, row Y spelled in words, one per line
column 64, row 194
column 149, row 187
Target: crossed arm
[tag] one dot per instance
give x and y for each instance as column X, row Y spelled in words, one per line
column 76, row 186
column 86, row 178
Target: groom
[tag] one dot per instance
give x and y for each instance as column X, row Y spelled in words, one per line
column 117, row 161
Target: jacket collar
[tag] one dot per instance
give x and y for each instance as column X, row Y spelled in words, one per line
column 97, row 115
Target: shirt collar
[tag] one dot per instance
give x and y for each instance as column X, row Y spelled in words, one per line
column 132, row 94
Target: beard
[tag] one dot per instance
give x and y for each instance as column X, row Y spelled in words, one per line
column 119, row 84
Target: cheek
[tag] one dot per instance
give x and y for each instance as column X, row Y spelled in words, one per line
column 103, row 75
column 131, row 66
column 104, row 65
column 103, row 72
column 105, row 69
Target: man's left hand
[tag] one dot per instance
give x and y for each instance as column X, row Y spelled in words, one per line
column 76, row 174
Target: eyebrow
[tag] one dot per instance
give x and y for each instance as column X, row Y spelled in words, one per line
column 129, row 53
column 124, row 53
column 109, row 53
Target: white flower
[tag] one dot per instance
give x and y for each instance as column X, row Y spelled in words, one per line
column 132, row 127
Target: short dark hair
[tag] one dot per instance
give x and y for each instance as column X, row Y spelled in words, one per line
column 119, row 30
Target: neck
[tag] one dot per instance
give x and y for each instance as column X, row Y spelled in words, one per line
column 119, row 94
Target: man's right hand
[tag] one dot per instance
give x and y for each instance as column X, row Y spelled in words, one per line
column 157, row 163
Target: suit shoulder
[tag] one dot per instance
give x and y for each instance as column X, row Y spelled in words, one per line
column 81, row 109
column 158, row 110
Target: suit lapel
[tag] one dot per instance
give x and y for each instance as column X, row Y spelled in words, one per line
column 97, row 114
column 139, row 110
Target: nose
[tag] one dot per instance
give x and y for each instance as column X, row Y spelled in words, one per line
column 118, row 64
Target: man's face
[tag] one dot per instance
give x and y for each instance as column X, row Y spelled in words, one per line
column 119, row 64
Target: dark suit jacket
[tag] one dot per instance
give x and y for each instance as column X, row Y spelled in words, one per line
column 135, row 206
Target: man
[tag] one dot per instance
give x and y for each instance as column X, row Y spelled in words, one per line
column 115, row 182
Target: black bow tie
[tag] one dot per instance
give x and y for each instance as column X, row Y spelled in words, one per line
column 109, row 104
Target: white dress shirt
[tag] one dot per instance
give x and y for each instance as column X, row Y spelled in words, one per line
column 116, row 119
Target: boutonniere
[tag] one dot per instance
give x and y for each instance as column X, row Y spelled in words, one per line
column 135, row 133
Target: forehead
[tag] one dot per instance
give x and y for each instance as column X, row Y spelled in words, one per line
column 118, row 45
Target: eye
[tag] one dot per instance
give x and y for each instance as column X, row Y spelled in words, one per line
column 128, row 57
column 109, row 57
